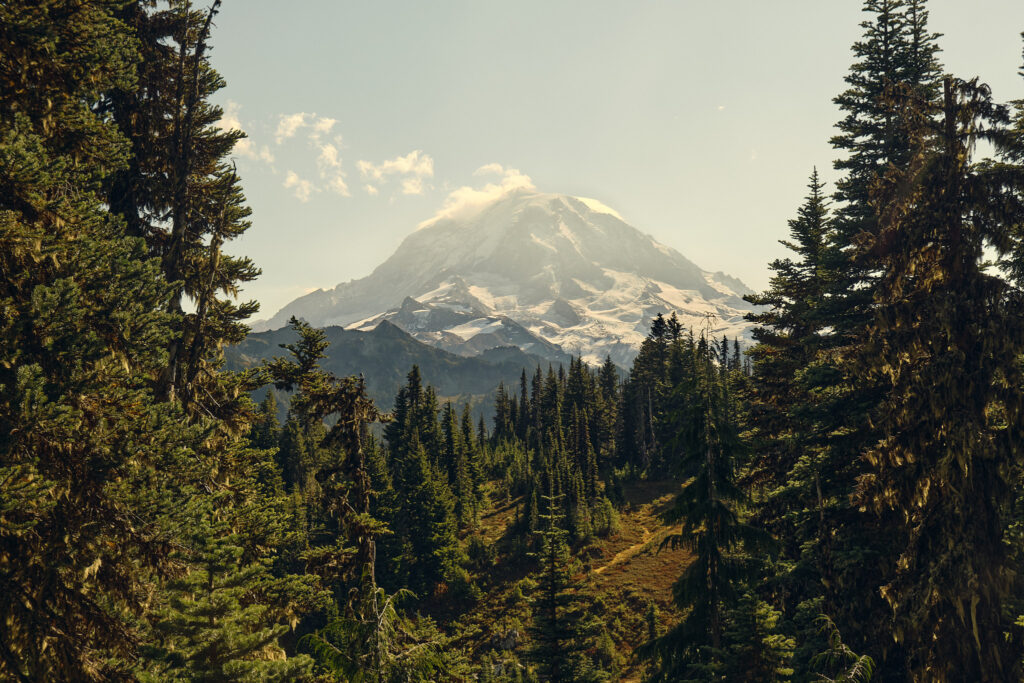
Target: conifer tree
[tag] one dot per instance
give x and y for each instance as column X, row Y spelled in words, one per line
column 554, row 629
column 523, row 420
column 343, row 473
column 757, row 648
column 265, row 430
column 897, row 54
column 800, row 493
column 474, row 444
column 896, row 50
column 428, row 523
column 709, row 446
column 183, row 197
column 81, row 325
column 214, row 627
column 945, row 341
column 607, row 415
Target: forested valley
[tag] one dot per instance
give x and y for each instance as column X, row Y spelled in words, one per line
column 842, row 500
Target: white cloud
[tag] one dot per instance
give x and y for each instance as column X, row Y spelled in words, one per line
column 413, row 166
column 263, row 154
column 338, row 185
column 412, row 186
column 490, row 169
column 290, row 124
column 466, row 200
column 302, row 189
column 371, row 190
column 229, row 117
column 245, row 147
column 329, row 164
column 322, row 126
column 328, row 157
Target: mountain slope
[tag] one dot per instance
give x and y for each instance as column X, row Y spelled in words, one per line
column 384, row 357
column 566, row 271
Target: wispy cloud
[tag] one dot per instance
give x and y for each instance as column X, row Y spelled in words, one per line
column 337, row 184
column 288, row 125
column 466, row 200
column 412, row 169
column 490, row 169
column 321, row 126
column 329, row 157
column 329, row 165
column 245, row 147
column 412, row 186
column 301, row 188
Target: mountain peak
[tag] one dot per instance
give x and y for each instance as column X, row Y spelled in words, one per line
column 551, row 272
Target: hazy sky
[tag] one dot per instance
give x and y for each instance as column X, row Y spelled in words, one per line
column 698, row 122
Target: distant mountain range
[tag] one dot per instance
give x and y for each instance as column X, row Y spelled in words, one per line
column 385, row 355
column 550, row 274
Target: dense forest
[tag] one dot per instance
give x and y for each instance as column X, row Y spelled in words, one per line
column 845, row 497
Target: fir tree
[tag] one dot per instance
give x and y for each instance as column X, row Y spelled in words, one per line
column 707, row 506
column 800, row 493
column 897, row 54
column 81, row 325
column 428, row 525
column 945, row 341
column 554, row 629
column 214, row 627
column 184, row 198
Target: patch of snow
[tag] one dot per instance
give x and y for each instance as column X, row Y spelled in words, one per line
column 447, row 305
column 718, row 286
column 442, row 290
column 598, row 207
column 547, row 245
column 366, row 324
column 668, row 251
column 568, row 234
column 467, row 331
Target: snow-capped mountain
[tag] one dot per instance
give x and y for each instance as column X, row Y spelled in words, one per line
column 549, row 273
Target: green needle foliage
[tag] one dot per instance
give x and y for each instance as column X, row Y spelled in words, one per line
column 708, row 508
column 946, row 339
column 81, row 334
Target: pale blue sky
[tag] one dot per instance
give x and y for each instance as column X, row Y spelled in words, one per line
column 698, row 122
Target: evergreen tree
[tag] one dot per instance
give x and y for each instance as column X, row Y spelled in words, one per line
column 801, row 494
column 707, row 506
column 428, row 525
column 643, row 399
column 378, row 644
column 183, row 197
column 945, row 341
column 342, row 473
column 81, row 323
column 607, row 414
column 757, row 649
column 897, row 54
column 895, row 50
column 214, row 627
column 265, row 430
column 474, row 444
column 555, row 628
